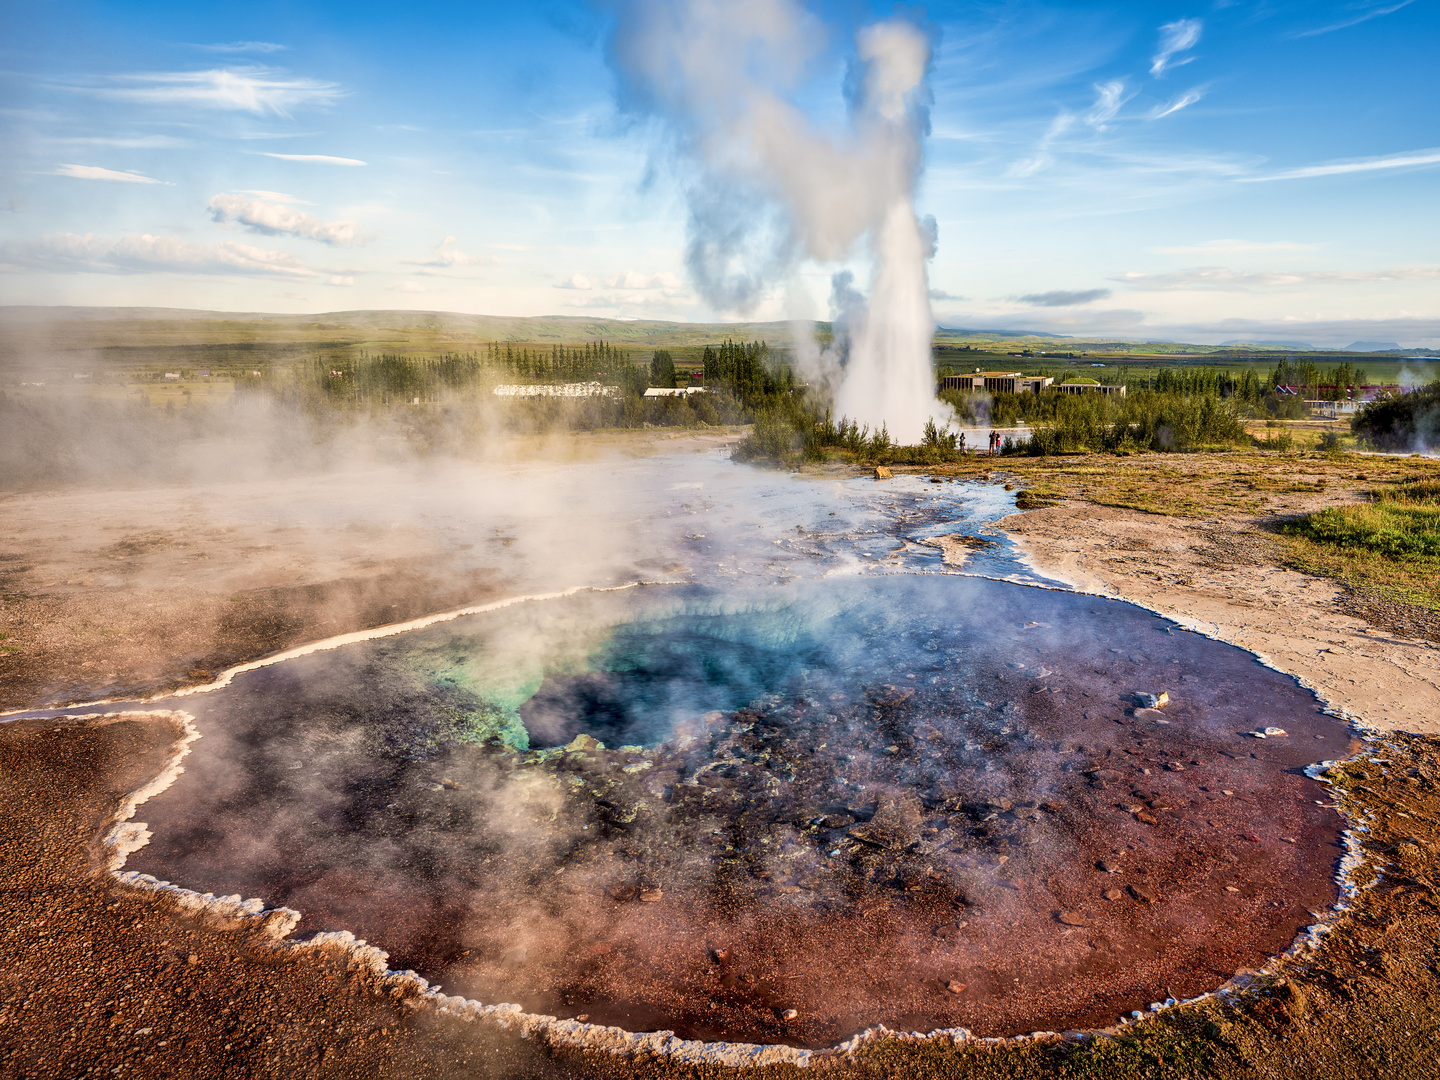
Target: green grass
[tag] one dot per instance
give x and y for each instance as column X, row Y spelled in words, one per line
column 1390, row 546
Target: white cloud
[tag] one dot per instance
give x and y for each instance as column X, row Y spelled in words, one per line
column 138, row 142
column 408, row 287
column 244, row 47
column 1375, row 11
column 341, row 279
column 274, row 196
column 1220, row 279
column 1108, row 99
column 1228, row 247
column 95, row 172
column 1176, row 37
column 256, row 90
column 446, row 254
column 139, row 254
column 323, row 159
column 1184, row 101
column 1043, row 158
column 632, row 280
column 1406, row 160
column 277, row 219
column 577, row 281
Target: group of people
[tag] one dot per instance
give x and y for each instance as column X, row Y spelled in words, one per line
column 994, row 442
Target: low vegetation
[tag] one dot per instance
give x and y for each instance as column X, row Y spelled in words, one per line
column 1389, row 546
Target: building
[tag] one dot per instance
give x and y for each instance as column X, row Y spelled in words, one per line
column 1090, row 388
column 997, row 382
column 674, row 391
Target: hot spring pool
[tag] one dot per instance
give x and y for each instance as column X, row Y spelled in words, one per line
column 919, row 800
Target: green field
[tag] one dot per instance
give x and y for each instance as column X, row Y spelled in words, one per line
column 138, row 345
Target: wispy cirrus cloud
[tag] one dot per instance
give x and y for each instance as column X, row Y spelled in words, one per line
column 243, row 47
column 1184, row 101
column 146, row 254
column 1221, row 279
column 1361, row 12
column 1109, row 97
column 318, row 159
column 1177, row 37
column 255, row 89
column 1409, row 159
column 1064, row 297
column 121, row 142
column 277, row 219
column 95, row 172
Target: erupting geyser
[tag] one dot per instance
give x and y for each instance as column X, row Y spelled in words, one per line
column 772, row 188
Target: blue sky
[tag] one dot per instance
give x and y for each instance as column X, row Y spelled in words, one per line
column 1209, row 171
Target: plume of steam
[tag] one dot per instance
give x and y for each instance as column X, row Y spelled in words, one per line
column 771, row 189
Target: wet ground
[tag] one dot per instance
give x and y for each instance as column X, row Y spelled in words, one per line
column 919, row 800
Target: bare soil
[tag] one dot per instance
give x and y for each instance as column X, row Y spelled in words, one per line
column 94, row 979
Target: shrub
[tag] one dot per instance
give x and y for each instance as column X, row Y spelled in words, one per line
column 1401, row 421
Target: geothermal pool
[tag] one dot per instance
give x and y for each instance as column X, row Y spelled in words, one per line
column 777, row 812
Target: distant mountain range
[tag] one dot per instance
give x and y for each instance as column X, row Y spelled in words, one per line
column 1372, row 346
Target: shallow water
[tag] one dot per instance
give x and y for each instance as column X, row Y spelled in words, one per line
column 852, row 791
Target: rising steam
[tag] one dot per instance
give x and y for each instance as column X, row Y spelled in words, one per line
column 771, row 189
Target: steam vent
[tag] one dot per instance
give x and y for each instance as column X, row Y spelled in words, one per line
column 777, row 814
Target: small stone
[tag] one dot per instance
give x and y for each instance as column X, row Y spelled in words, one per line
column 623, row 892
column 955, row 987
column 1107, row 866
column 1051, row 807
column 1231, row 888
column 1145, row 893
column 585, row 742
column 882, row 472
column 1112, row 894
column 1072, row 918
column 193, row 959
column 722, row 956
column 583, row 1017
column 1146, row 819
column 789, row 1014
column 1174, row 766
column 1224, row 792
column 651, row 896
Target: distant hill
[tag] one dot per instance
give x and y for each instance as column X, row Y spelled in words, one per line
column 32, row 333
column 1270, row 343
column 1372, row 346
